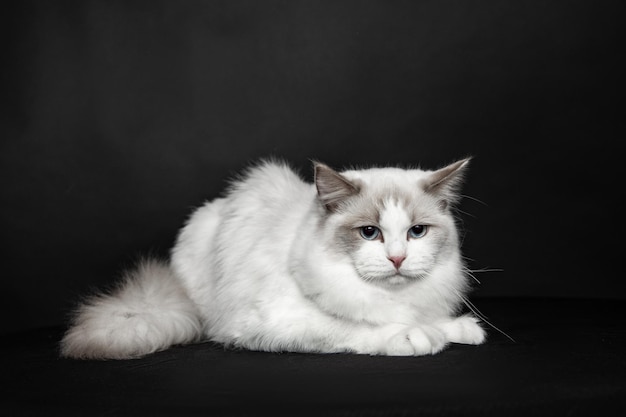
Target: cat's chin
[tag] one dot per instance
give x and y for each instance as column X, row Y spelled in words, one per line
column 395, row 280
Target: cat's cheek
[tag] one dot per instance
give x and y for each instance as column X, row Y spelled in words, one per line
column 421, row 256
column 442, row 238
column 369, row 257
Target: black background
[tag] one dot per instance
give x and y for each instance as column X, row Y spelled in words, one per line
column 121, row 116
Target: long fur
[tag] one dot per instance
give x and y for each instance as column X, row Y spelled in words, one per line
column 278, row 264
column 149, row 311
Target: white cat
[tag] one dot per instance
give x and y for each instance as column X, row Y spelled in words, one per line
column 363, row 261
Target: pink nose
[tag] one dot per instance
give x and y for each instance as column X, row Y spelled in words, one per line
column 397, row 260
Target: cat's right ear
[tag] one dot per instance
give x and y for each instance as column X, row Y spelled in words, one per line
column 332, row 187
column 445, row 182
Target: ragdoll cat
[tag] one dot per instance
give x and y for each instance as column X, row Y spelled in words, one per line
column 363, row 261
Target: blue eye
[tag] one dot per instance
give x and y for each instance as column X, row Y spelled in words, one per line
column 418, row 231
column 369, row 232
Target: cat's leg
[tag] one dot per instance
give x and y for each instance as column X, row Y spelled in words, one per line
column 464, row 329
column 403, row 340
column 308, row 329
column 150, row 311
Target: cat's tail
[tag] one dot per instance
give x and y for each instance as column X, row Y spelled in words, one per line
column 149, row 311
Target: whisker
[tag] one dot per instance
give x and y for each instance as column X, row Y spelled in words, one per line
column 486, row 270
column 482, row 317
column 474, row 199
column 465, row 213
column 469, row 272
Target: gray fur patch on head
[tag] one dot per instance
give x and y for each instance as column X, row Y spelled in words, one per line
column 355, row 213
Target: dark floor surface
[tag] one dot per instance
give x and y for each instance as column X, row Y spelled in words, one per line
column 568, row 359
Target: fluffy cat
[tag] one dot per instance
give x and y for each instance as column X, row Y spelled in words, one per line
column 363, row 261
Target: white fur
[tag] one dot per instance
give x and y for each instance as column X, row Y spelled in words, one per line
column 263, row 269
column 148, row 312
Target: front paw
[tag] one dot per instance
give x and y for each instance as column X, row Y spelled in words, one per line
column 415, row 341
column 464, row 329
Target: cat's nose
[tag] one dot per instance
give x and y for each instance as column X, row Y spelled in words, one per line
column 397, row 260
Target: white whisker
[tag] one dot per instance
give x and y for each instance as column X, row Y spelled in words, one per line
column 487, row 270
column 470, row 274
column 465, row 213
column 482, row 317
column 474, row 199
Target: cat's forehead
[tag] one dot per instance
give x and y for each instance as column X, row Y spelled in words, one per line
column 385, row 175
column 390, row 193
column 388, row 182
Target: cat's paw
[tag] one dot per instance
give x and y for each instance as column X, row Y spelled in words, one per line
column 415, row 341
column 464, row 329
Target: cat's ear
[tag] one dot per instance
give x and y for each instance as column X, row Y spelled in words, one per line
column 445, row 182
column 332, row 187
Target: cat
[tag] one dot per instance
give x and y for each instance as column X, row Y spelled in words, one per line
column 362, row 261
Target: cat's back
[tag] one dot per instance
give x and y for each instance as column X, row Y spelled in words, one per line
column 261, row 217
column 268, row 201
column 269, row 176
column 269, row 186
column 256, row 218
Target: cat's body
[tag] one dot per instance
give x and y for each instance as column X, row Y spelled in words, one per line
column 365, row 261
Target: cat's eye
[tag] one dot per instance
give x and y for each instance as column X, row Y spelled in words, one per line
column 369, row 232
column 417, row 231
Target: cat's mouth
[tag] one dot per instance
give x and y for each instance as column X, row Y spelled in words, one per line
column 391, row 277
column 397, row 278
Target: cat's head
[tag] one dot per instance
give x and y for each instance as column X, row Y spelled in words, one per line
column 395, row 224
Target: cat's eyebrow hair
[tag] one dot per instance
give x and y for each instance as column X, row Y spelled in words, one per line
column 428, row 221
column 366, row 217
column 362, row 211
column 417, row 216
column 359, row 221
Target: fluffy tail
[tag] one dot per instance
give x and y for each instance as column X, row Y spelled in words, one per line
column 149, row 311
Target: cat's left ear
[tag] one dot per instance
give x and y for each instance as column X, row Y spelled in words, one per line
column 332, row 187
column 446, row 182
